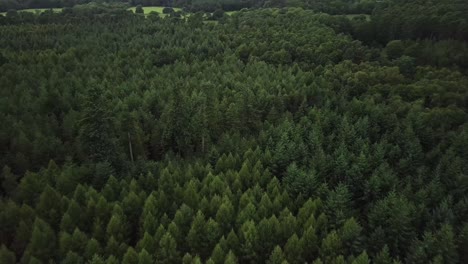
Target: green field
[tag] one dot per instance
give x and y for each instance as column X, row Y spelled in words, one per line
column 37, row 10
column 146, row 9
column 158, row 9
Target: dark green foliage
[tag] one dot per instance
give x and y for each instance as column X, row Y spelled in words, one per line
column 269, row 136
column 6, row 256
column 96, row 132
column 139, row 9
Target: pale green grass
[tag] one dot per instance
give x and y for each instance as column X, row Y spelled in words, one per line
column 146, row 10
column 149, row 9
column 37, row 10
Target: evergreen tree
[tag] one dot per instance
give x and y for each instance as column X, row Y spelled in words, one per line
column 73, row 257
column 168, row 249
column 195, row 237
column 249, row 241
column 96, row 260
column 96, row 126
column 92, row 248
column 42, row 232
column 293, row 250
column 231, row 258
column 130, row 257
column 383, row 257
column 277, row 256
column 218, row 254
column 144, row 257
column 6, row 256
column 362, row 259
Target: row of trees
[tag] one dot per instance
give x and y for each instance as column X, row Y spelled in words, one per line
column 266, row 137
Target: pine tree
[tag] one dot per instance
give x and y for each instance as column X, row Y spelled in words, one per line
column 394, row 216
column 116, row 228
column 92, row 248
column 249, row 241
column 72, row 258
column 173, row 229
column 96, row 127
column 112, row 247
column 212, row 235
column 463, row 245
column 48, row 208
column 350, row 234
column 218, row 254
column 22, row 237
column 231, row 258
column 150, row 224
column 362, row 259
column 96, row 260
column 331, row 246
column 225, row 215
column 79, row 241
column 168, row 249
column 195, row 237
column 445, row 244
column 8, row 179
column 310, row 244
column 277, row 256
column 187, row 259
column 147, row 243
column 145, row 258
column 6, row 256
column 293, row 250
column 383, row 257
column 232, row 241
column 266, row 238
column 338, row 205
column 130, row 257
column 67, row 224
column 42, row 232
column 112, row 260
column 183, row 218
column 65, row 244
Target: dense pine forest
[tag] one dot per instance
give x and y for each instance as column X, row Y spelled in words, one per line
column 273, row 135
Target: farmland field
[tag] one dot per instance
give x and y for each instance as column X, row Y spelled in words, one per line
column 146, row 9
column 149, row 9
column 37, row 10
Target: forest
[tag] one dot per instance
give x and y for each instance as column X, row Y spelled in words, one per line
column 294, row 133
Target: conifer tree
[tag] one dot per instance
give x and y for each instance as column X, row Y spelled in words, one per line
column 72, row 257
column 96, row 260
column 218, row 254
column 277, row 256
column 195, row 237
column 383, row 257
column 231, row 258
column 362, row 259
column 42, row 232
column 144, row 257
column 96, row 127
column 249, row 241
column 130, row 257
column 92, row 248
column 6, row 256
column 147, row 243
column 293, row 250
column 168, row 249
